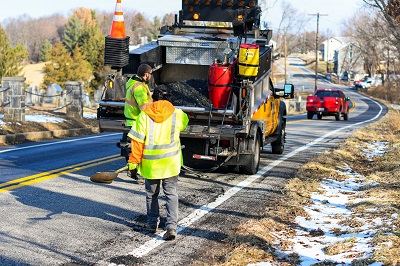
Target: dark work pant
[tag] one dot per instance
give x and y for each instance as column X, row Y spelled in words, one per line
column 170, row 187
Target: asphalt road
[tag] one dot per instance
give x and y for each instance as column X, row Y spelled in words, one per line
column 51, row 214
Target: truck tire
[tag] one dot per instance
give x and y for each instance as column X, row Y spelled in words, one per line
column 279, row 144
column 310, row 115
column 252, row 168
column 319, row 116
column 337, row 116
column 346, row 116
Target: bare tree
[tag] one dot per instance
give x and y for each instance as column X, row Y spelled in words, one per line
column 31, row 33
column 361, row 29
column 389, row 8
column 292, row 26
column 389, row 11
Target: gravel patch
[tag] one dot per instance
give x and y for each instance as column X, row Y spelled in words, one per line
column 191, row 93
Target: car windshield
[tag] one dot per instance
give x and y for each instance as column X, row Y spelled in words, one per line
column 328, row 94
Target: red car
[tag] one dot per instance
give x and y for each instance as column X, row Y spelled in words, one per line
column 328, row 102
column 357, row 82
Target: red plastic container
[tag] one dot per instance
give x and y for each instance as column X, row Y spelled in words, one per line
column 219, row 84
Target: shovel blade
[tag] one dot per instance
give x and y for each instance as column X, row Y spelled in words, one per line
column 104, row 177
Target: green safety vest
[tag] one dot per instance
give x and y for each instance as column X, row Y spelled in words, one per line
column 162, row 154
column 137, row 96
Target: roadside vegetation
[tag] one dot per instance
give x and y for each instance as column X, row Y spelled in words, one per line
column 72, row 48
column 372, row 154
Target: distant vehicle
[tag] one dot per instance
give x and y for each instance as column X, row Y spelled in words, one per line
column 328, row 102
column 357, row 82
column 366, row 84
column 376, row 81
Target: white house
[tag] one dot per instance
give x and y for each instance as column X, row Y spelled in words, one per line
column 349, row 60
column 345, row 55
column 329, row 47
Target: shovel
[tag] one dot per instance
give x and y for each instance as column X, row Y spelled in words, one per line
column 107, row 177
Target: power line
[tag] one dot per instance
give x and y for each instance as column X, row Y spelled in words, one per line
column 316, row 48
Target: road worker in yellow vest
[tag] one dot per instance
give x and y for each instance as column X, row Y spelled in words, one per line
column 156, row 153
column 138, row 95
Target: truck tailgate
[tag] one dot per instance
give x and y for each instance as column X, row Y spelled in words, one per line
column 322, row 104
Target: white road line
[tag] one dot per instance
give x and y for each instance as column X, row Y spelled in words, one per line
column 205, row 209
column 58, row 142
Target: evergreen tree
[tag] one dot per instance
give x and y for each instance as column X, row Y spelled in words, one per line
column 44, row 51
column 72, row 34
column 155, row 29
column 10, row 58
column 66, row 67
column 90, row 40
column 92, row 44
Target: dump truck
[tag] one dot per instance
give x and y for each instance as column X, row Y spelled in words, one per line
column 220, row 45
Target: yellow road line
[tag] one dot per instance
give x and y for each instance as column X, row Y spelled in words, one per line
column 353, row 105
column 32, row 179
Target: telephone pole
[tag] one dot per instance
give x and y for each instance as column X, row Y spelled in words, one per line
column 316, row 48
column 284, row 49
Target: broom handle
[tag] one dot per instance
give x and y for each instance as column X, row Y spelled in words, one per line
column 122, row 169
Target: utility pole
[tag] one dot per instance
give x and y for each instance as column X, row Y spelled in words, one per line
column 284, row 49
column 316, row 48
column 387, row 64
column 327, row 53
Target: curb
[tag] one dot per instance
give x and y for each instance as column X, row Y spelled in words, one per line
column 43, row 135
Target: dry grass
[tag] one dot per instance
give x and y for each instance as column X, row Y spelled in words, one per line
column 48, row 109
column 34, row 74
column 390, row 92
column 258, row 240
column 340, row 247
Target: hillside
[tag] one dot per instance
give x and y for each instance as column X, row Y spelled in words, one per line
column 33, row 74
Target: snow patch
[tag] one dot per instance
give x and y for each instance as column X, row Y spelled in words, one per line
column 328, row 215
column 43, row 118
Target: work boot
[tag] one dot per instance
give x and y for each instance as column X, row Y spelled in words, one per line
column 170, row 235
column 152, row 228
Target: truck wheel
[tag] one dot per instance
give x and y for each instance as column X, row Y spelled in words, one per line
column 337, row 116
column 346, row 116
column 279, row 144
column 319, row 116
column 252, row 168
column 310, row 115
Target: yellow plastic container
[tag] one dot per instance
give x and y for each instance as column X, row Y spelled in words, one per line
column 249, row 58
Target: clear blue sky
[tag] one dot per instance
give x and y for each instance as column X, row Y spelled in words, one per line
column 336, row 10
column 40, row 8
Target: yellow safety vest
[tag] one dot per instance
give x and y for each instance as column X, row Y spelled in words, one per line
column 162, row 154
column 137, row 96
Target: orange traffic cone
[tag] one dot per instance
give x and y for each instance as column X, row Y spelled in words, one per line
column 118, row 26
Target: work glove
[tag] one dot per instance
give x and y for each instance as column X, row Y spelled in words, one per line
column 131, row 166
